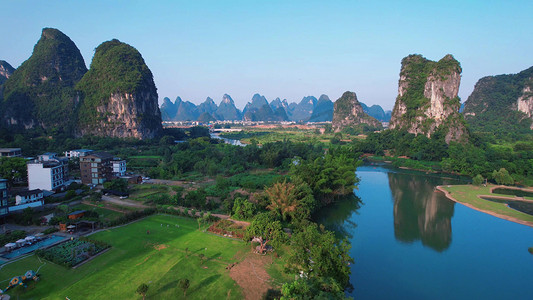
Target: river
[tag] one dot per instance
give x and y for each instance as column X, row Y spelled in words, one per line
column 409, row 242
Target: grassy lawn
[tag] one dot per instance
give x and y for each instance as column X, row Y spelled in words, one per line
column 469, row 194
column 140, row 191
column 104, row 213
column 157, row 259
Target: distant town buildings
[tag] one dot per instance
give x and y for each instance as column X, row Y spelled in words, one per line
column 10, row 152
column 4, row 206
column 99, row 167
column 78, row 153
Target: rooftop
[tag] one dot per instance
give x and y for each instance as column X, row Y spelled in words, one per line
column 30, row 192
column 9, row 149
column 103, row 155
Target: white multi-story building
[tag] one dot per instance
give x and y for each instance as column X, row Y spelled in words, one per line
column 78, row 153
column 46, row 175
column 119, row 167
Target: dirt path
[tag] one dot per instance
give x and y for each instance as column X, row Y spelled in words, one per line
column 123, row 202
column 251, row 276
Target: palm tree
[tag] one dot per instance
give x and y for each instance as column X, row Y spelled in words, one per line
column 282, row 196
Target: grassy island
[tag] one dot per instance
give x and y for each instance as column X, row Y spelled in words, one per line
column 483, row 198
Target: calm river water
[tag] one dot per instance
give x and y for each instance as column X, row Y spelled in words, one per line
column 410, row 242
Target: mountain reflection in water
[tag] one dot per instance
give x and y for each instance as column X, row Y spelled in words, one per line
column 420, row 213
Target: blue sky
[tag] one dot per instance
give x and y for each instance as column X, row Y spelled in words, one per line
column 286, row 49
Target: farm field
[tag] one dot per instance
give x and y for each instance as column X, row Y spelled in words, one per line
column 158, row 259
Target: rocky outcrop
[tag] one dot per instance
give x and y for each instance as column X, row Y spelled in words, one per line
column 427, row 98
column 502, row 104
column 119, row 95
column 40, row 93
column 5, row 72
column 347, row 112
column 525, row 103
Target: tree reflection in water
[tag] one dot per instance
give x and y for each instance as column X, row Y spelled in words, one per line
column 336, row 217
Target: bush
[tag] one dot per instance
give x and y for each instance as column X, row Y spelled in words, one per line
column 478, row 180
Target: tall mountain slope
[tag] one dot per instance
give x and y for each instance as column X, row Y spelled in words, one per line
column 186, row 111
column 119, row 94
column 5, row 72
column 260, row 110
column 303, row 111
column 227, row 110
column 208, row 106
column 502, row 104
column 377, row 112
column 168, row 110
column 323, row 110
column 427, row 98
column 40, row 93
column 348, row 112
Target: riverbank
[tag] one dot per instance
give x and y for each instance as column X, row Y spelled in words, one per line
column 471, row 196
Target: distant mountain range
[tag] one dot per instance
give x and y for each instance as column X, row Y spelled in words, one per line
column 309, row 109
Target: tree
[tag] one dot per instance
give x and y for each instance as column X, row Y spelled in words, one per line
column 243, row 209
column 13, row 169
column 282, row 199
column 312, row 288
column 502, row 177
column 118, row 184
column 142, row 290
column 265, row 229
column 477, row 180
column 316, row 253
column 184, row 285
column 292, row 200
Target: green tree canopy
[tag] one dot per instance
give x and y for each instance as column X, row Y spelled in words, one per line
column 316, row 253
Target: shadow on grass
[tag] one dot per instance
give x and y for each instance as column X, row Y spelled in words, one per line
column 204, row 283
column 166, row 287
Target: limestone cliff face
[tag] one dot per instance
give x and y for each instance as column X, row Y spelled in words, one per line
column 119, row 95
column 127, row 115
column 5, row 72
column 427, row 98
column 348, row 112
column 525, row 101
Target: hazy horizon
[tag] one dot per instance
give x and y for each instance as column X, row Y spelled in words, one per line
column 284, row 49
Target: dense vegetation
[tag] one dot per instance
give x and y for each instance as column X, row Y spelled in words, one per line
column 116, row 68
column 479, row 156
column 41, row 90
column 491, row 108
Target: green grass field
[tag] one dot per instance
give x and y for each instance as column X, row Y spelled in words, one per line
column 469, row 194
column 157, row 259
